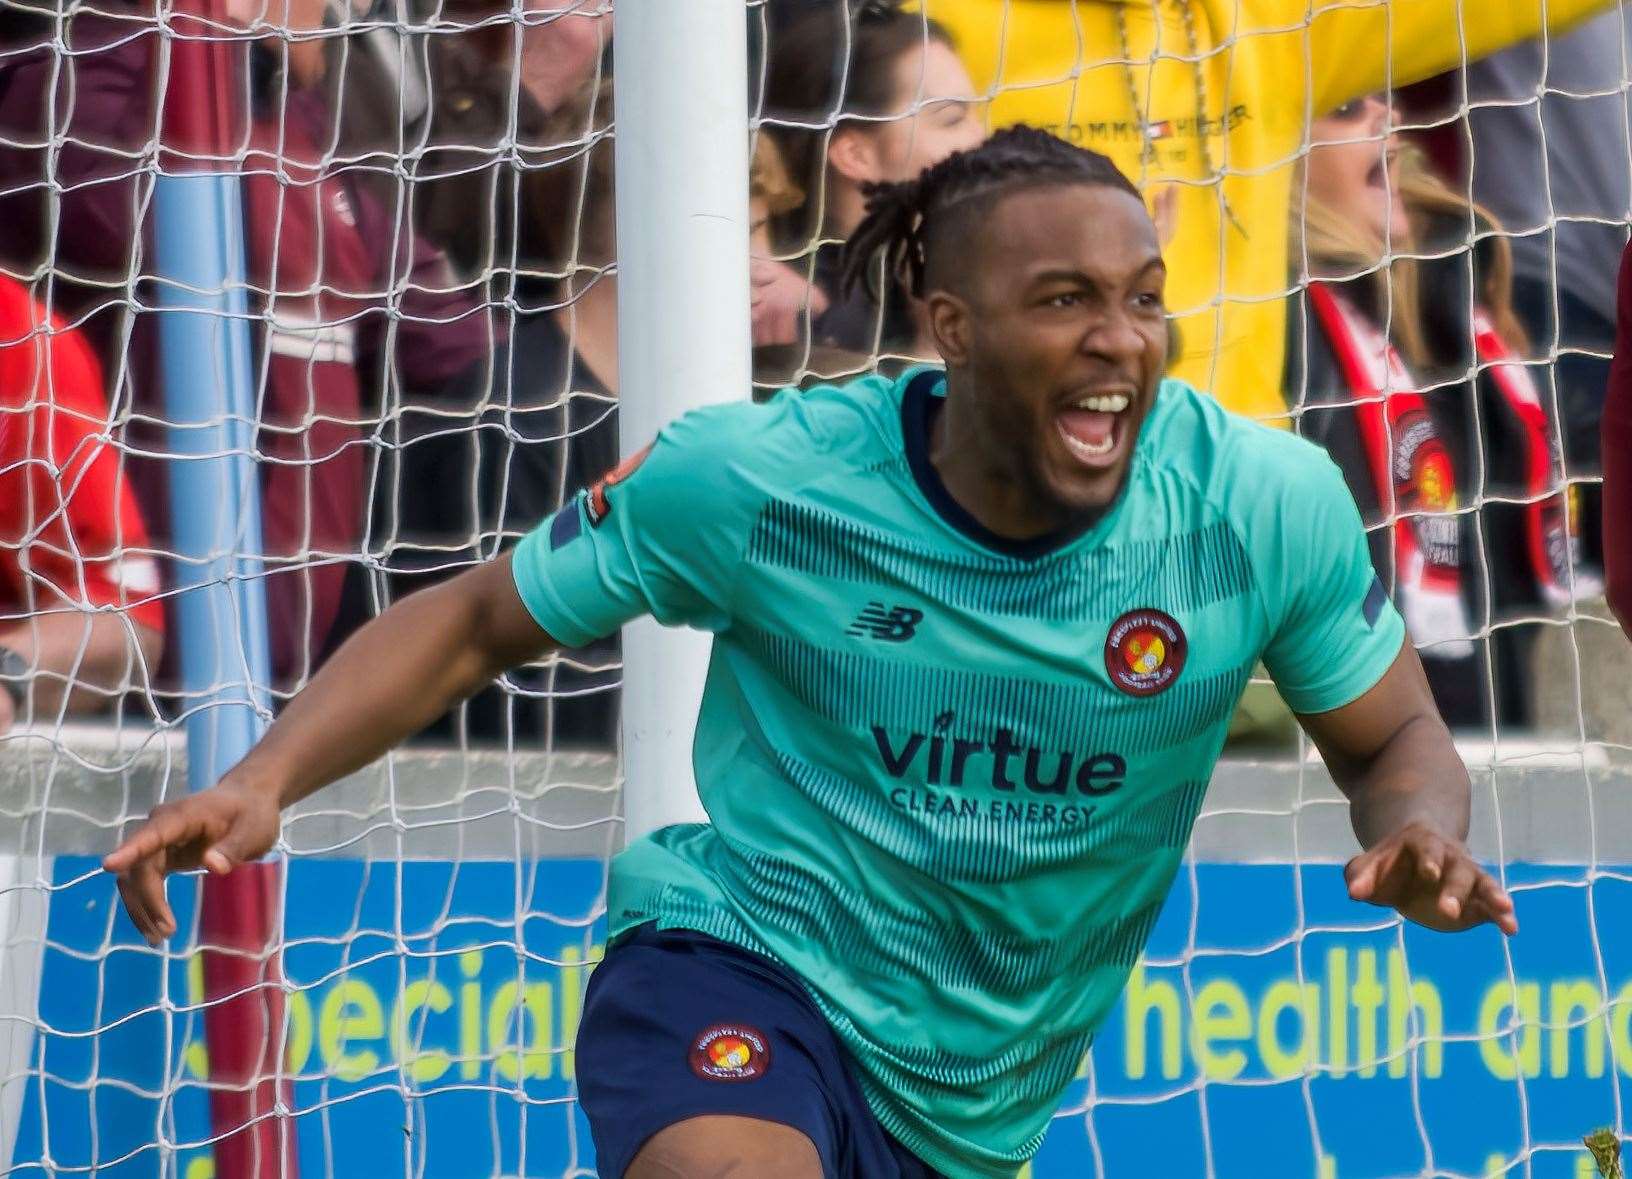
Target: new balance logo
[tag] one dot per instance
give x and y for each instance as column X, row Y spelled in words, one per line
column 895, row 624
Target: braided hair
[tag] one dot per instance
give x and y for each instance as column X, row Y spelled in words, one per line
column 907, row 221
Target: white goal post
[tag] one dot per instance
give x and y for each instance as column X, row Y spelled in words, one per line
column 681, row 91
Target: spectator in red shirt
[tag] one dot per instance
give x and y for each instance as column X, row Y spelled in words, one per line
column 1617, row 451
column 80, row 616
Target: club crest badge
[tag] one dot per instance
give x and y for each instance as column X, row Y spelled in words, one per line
column 1145, row 652
column 730, row 1052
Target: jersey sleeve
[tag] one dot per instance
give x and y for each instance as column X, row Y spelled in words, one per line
column 1333, row 630
column 662, row 534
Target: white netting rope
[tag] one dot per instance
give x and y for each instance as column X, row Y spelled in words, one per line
column 445, row 997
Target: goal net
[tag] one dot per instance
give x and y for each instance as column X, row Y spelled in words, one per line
column 358, row 264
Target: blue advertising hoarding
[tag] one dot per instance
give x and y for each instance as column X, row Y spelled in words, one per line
column 1274, row 1028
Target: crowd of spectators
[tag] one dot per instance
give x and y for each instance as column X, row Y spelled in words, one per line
column 430, row 241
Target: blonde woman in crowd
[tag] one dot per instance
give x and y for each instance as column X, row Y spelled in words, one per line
column 1454, row 475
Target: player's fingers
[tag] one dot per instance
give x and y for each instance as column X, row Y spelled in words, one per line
column 1429, row 854
column 1364, row 871
column 1360, row 874
column 1497, row 903
column 1396, row 877
column 218, row 862
column 1479, row 911
column 169, row 830
column 136, row 909
column 145, row 841
column 158, row 904
column 1492, row 893
column 143, row 892
column 243, row 840
column 1457, row 885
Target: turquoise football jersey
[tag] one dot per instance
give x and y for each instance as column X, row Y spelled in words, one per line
column 951, row 776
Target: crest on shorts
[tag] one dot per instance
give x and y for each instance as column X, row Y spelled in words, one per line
column 596, row 505
column 1145, row 651
column 730, row 1052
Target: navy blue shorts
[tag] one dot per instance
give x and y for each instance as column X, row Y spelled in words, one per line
column 679, row 1025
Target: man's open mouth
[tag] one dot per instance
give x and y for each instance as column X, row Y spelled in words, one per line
column 1093, row 428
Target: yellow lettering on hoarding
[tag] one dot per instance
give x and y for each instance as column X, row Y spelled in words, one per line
column 353, row 1012
column 1304, row 1000
column 1495, row 1013
column 1163, row 998
column 1422, row 997
column 1620, row 1035
column 470, row 1016
column 196, row 1056
column 350, row 1012
column 297, row 1012
column 1368, row 1000
column 1566, row 1000
column 1221, row 1016
column 418, row 997
column 533, row 1011
column 1337, row 1006
column 1289, row 1028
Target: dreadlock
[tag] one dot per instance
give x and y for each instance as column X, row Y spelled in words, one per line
column 906, row 222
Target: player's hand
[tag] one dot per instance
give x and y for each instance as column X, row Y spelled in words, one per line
column 779, row 295
column 1432, row 880
column 217, row 829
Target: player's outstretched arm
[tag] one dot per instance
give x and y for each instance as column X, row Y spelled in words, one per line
column 391, row 679
column 1408, row 791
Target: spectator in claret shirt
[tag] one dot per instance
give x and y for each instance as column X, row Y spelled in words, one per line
column 350, row 305
column 1617, row 451
column 80, row 617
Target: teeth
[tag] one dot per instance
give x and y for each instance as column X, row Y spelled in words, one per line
column 1106, row 403
column 1088, row 450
